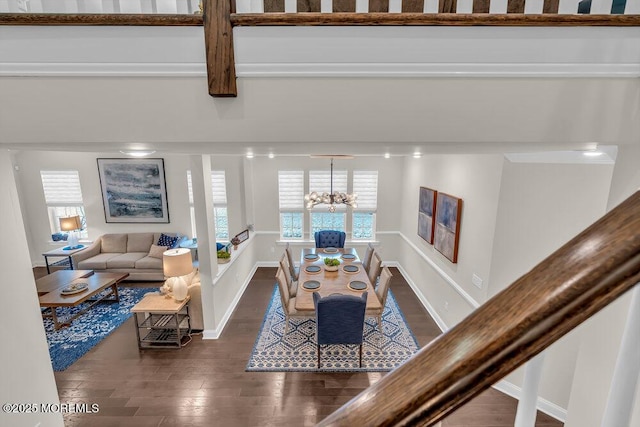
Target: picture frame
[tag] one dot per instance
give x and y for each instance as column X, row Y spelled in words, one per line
column 133, row 190
column 242, row 236
column 447, row 227
column 426, row 217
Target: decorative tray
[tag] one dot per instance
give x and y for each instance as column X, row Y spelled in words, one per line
column 311, row 285
column 330, row 250
column 357, row 285
column 350, row 269
column 311, row 257
column 313, row 269
column 348, row 257
column 74, row 288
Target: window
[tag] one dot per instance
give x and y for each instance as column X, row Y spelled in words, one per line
column 63, row 197
column 365, row 185
column 219, row 190
column 291, row 203
column 320, row 181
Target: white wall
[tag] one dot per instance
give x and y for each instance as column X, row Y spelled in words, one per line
column 601, row 335
column 476, row 180
column 541, row 207
column 25, row 367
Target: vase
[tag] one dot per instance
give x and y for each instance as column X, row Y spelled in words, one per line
column 180, row 289
column 223, row 260
column 331, row 268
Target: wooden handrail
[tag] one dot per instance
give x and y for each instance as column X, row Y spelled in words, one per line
column 568, row 287
column 140, row 19
column 433, row 19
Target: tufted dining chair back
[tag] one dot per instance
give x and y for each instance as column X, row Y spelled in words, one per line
column 330, row 238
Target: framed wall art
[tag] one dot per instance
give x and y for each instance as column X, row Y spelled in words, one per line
column 447, row 228
column 133, row 190
column 426, row 208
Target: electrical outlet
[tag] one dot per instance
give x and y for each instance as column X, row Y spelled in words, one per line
column 476, row 280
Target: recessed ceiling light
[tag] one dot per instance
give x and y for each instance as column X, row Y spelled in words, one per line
column 593, row 153
column 271, row 155
column 137, row 153
column 387, row 155
column 417, row 155
column 250, row 155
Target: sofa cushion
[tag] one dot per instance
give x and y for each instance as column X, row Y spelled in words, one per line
column 127, row 260
column 149, row 262
column 166, row 240
column 98, row 262
column 157, row 251
column 139, row 242
column 114, row 243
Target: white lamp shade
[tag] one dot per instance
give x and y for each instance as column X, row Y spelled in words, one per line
column 177, row 262
column 70, row 223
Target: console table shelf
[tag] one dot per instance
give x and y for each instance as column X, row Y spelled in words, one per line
column 162, row 322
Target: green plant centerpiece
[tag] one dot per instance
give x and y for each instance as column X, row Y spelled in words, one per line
column 223, row 256
column 331, row 264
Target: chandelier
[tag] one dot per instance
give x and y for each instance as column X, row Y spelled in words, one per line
column 331, row 198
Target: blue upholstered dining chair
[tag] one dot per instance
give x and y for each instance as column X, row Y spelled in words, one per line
column 330, row 238
column 339, row 320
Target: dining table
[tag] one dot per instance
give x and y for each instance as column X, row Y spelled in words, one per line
column 349, row 278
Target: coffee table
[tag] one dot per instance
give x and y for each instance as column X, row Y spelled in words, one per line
column 59, row 279
column 96, row 282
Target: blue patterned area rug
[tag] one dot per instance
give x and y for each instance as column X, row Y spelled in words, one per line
column 66, row 345
column 274, row 351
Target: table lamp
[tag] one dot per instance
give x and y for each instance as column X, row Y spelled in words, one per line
column 71, row 224
column 177, row 263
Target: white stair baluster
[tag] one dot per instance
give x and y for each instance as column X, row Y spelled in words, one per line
column 632, row 7
column 431, row 6
column 128, row 6
column 528, row 403
column 620, row 403
column 569, row 7
column 395, row 6
column 464, row 6
column 290, row 6
column 362, row 6
column 326, row 6
column 243, row 6
column 257, row 6
column 533, row 7
column 498, row 6
column 601, row 7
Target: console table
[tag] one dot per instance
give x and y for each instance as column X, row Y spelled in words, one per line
column 162, row 322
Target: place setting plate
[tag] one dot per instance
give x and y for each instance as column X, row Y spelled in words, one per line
column 74, row 288
column 311, row 257
column 357, row 285
column 330, row 250
column 350, row 269
column 348, row 257
column 313, row 269
column 311, row 285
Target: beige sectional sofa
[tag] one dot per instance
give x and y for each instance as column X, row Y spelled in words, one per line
column 133, row 253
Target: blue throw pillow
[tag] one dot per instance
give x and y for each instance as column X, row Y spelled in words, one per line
column 166, row 240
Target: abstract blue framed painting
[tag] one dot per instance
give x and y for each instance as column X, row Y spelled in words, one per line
column 426, row 208
column 134, row 190
column 447, row 232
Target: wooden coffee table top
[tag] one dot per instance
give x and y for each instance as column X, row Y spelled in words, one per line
column 97, row 282
column 59, row 279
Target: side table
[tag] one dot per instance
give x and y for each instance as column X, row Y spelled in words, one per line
column 162, row 322
column 61, row 253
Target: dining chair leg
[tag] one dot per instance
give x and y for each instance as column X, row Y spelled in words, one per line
column 318, row 352
column 361, row 355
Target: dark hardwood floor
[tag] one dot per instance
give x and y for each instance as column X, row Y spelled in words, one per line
column 205, row 384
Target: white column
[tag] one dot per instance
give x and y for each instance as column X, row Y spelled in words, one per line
column 625, row 375
column 206, row 230
column 528, row 404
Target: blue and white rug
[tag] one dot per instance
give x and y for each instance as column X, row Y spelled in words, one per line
column 66, row 345
column 296, row 351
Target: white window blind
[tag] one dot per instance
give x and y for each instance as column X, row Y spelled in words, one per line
column 291, row 189
column 61, row 188
column 320, row 182
column 219, row 186
column 365, row 185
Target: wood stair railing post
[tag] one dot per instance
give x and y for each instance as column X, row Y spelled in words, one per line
column 218, row 33
column 572, row 284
